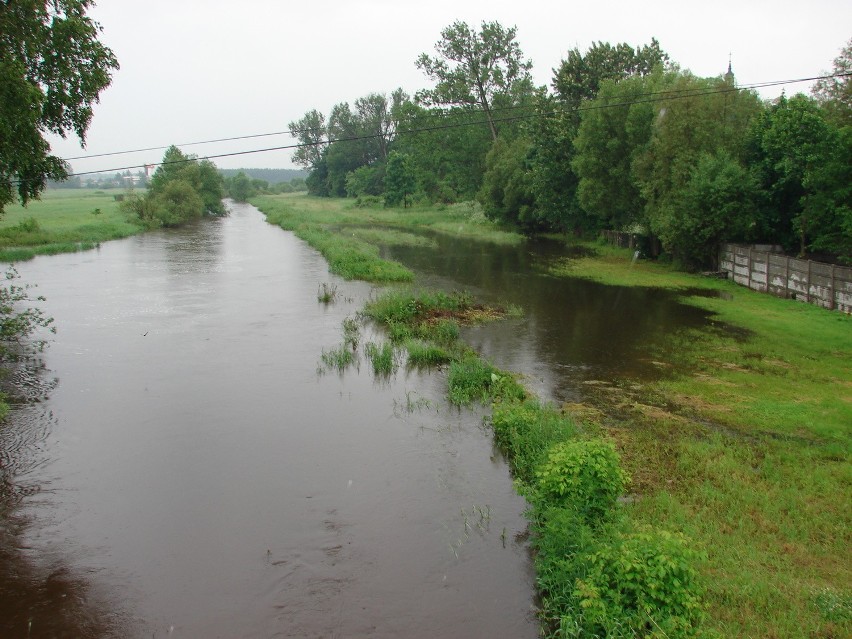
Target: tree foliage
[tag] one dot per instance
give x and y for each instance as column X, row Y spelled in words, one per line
column 52, row 70
column 802, row 162
column 476, row 68
column 182, row 189
column 400, row 180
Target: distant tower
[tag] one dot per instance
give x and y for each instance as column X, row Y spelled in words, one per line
column 729, row 76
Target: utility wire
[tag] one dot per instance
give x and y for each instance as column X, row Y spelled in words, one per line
column 649, row 97
column 295, row 132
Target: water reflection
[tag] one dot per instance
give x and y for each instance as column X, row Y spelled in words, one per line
column 572, row 330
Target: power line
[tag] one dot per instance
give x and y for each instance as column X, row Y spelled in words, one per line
column 295, row 132
column 651, row 96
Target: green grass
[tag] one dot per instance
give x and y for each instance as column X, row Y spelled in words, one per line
column 382, row 357
column 462, row 220
column 745, row 448
column 63, row 220
column 349, row 235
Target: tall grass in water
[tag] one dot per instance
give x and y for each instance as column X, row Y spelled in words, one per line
column 382, row 357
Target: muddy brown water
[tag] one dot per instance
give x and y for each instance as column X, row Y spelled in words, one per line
column 180, row 468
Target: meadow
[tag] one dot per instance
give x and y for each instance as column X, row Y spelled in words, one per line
column 62, row 221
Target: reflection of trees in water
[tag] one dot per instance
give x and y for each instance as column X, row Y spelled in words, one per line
column 38, row 601
column 578, row 328
column 38, row 597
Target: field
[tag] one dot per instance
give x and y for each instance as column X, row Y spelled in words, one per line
column 63, row 220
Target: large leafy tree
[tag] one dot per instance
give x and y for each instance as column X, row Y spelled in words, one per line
column 576, row 82
column 400, row 180
column 802, row 161
column 506, row 193
column 446, row 150
column 52, row 69
column 310, row 132
column 695, row 117
column 580, row 75
column 476, row 68
column 614, row 130
column 182, row 189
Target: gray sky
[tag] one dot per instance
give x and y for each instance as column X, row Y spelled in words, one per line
column 194, row 70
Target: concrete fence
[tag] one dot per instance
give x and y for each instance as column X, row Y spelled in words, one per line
column 826, row 285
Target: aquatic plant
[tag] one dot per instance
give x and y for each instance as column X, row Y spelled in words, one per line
column 351, row 332
column 327, row 293
column 337, row 358
column 381, row 357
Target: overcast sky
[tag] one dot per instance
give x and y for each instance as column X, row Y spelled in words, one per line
column 195, row 70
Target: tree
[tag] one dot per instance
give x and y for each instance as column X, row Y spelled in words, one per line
column 694, row 117
column 177, row 203
column 614, row 130
column 446, row 152
column 400, row 181
column 506, row 193
column 719, row 203
column 310, row 132
column 802, row 161
column 211, row 188
column 240, row 188
column 52, row 70
column 580, row 76
column 576, row 82
column 473, row 69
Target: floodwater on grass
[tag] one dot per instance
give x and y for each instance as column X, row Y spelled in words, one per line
column 181, row 468
column 573, row 333
column 185, row 471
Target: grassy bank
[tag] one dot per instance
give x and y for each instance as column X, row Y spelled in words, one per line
column 346, row 232
column 62, row 221
column 745, row 447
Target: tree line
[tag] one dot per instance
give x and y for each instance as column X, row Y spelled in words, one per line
column 623, row 139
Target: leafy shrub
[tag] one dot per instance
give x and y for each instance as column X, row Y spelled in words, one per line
column 525, row 430
column 586, row 474
column 563, row 542
column 645, row 583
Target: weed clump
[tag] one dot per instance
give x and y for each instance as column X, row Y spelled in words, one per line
column 339, row 358
column 381, row 357
column 473, row 379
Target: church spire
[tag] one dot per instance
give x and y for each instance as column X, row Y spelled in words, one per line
column 729, row 76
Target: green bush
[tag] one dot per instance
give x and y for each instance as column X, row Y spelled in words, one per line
column 643, row 584
column 585, row 474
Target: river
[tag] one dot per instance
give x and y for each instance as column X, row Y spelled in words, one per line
column 184, row 469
